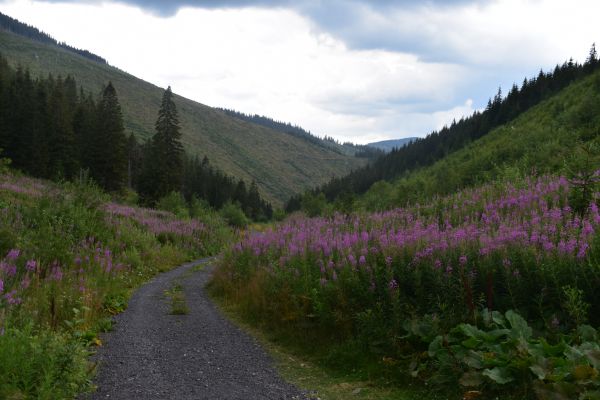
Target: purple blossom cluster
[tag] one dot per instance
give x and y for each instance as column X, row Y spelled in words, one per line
column 19, row 276
column 449, row 234
column 156, row 221
column 22, row 185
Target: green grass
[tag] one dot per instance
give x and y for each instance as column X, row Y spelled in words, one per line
column 281, row 164
column 302, row 364
column 177, row 298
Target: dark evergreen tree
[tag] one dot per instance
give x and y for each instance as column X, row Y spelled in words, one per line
column 134, row 161
column 62, row 146
column 164, row 173
column 108, row 165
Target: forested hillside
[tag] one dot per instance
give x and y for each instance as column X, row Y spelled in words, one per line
column 51, row 128
column 280, row 164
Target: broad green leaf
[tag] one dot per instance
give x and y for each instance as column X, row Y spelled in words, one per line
column 474, row 360
column 498, row 318
column 471, row 343
column 470, row 330
column 435, row 346
column 519, row 327
column 499, row 375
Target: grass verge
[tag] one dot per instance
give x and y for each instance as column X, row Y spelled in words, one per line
column 305, row 368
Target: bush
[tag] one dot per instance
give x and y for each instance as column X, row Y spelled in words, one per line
column 175, row 203
column 234, row 215
column 41, row 365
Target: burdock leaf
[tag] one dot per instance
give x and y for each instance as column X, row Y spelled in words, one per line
column 499, row 375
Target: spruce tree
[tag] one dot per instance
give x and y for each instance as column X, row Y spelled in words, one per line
column 164, row 170
column 109, row 164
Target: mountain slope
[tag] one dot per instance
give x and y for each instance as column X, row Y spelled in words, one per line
column 280, row 164
column 541, row 140
column 388, row 145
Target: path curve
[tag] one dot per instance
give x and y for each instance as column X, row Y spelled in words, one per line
column 151, row 354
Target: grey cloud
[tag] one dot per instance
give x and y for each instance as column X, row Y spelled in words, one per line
column 343, row 19
column 322, row 7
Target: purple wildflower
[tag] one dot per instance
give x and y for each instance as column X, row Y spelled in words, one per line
column 31, row 265
column 13, row 254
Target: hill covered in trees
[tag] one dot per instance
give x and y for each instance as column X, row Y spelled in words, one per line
column 280, row 164
column 438, row 145
column 51, row 128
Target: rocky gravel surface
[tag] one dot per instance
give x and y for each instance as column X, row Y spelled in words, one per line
column 152, row 354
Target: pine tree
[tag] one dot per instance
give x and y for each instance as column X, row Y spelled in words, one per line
column 61, row 138
column 109, row 164
column 164, row 171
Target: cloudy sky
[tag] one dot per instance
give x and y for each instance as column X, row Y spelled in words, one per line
column 356, row 70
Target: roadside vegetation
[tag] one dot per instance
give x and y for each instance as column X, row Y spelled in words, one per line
column 70, row 258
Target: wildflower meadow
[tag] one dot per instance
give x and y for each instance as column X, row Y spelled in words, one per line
column 388, row 283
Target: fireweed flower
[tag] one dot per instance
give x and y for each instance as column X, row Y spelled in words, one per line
column 25, row 282
column 12, row 299
column 31, row 265
column 13, row 254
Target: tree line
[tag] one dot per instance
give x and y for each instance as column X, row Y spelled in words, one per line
column 438, row 144
column 50, row 128
column 17, row 27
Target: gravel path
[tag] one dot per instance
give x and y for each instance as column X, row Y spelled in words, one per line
column 152, row 354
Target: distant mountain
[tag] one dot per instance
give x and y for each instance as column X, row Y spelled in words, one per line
column 346, row 148
column 389, row 145
column 280, row 164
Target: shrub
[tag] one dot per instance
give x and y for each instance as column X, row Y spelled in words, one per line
column 234, row 215
column 174, row 203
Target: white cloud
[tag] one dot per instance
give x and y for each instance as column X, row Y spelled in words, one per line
column 377, row 73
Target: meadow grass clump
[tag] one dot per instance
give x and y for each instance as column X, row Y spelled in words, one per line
column 177, row 298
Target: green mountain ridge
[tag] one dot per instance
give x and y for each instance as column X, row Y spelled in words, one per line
column 280, row 164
